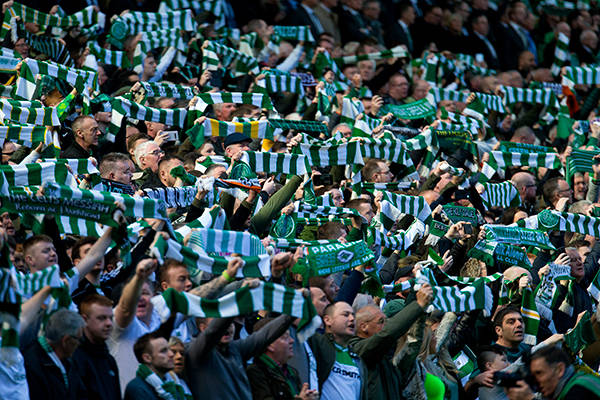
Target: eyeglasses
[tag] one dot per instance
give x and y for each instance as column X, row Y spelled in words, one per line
column 157, row 152
column 78, row 338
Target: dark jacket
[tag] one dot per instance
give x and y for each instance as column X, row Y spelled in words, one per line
column 216, row 371
column 270, row 381
column 149, row 179
column 76, row 151
column 385, row 381
column 323, row 349
column 45, row 378
column 98, row 370
column 138, row 389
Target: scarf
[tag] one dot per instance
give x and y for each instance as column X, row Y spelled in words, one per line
column 172, row 197
column 137, row 21
column 267, row 296
column 413, row 205
column 399, row 241
column 29, row 136
column 299, row 33
column 300, row 126
column 395, row 52
column 168, row 389
column 280, row 82
column 122, row 107
column 259, row 100
column 27, row 113
column 549, row 220
column 214, row 218
column 415, row 110
column 36, row 174
column 581, row 76
column 437, row 94
column 500, row 160
column 517, row 235
column 198, row 261
column 110, row 57
column 561, row 54
column 165, row 89
column 531, row 317
column 274, row 163
column 50, row 352
column 350, row 110
column 580, row 161
column 331, row 258
column 500, row 195
column 215, row 128
column 215, row 54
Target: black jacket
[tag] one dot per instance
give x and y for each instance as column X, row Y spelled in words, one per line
column 45, row 378
column 269, row 381
column 98, row 370
column 75, row 151
column 137, row 388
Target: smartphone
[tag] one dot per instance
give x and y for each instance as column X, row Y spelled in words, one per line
column 322, row 180
column 173, row 136
column 468, row 229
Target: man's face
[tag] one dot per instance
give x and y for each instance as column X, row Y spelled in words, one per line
column 178, row 278
column 434, row 17
column 153, row 128
column 225, row 111
column 584, row 251
column 89, row 132
column 512, row 328
column 499, row 363
column 218, row 172
column 366, row 211
column 122, row 172
column 228, row 336
column 375, row 325
column 384, row 175
column 178, row 357
column 144, row 306
column 162, row 356
column 366, row 69
column 579, row 187
column 319, row 299
column 371, row 10
column 99, row 322
column 519, row 14
column 97, row 270
column 421, row 90
column 283, row 347
column 337, row 198
column 152, row 157
column 331, row 288
column 71, row 343
column 528, row 190
column 22, row 47
column 526, row 61
column 576, row 263
column 547, row 376
column 409, row 15
column 236, row 148
column 341, row 322
column 398, row 88
column 481, row 25
column 346, row 131
column 564, row 190
column 165, row 172
column 8, row 149
column 7, row 224
column 41, row 255
column 149, row 67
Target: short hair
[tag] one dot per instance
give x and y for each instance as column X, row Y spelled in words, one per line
column 32, row 241
column 109, row 161
column 499, row 317
column 61, row 323
column 93, row 298
column 134, row 138
column 212, row 167
column 550, row 188
column 142, row 345
column 330, row 230
column 371, row 168
column 355, row 203
column 78, row 122
column 170, row 263
column 141, row 150
column 190, row 158
column 76, row 249
column 488, row 354
column 552, row 355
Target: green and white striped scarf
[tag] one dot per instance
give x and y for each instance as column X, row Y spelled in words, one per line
column 306, row 210
column 121, row 107
column 350, row 110
column 514, row 95
column 79, row 78
column 36, row 174
column 395, row 52
column 437, row 94
column 164, row 89
column 28, row 113
column 300, row 126
column 594, row 288
column 259, row 100
column 216, row 54
column 172, row 197
column 214, row 218
column 134, row 206
column 168, row 389
column 267, row 296
column 215, row 128
column 50, row 46
column 109, row 57
column 492, row 102
column 300, row 33
column 86, row 17
column 282, row 243
column 399, row 241
column 199, row 261
column 581, row 76
column 502, row 194
column 29, row 136
column 580, row 161
column 328, row 155
column 388, row 187
column 531, row 317
column 391, row 150
column 226, row 242
column 517, row 235
column 412, row 205
column 272, row 163
column 170, row 38
column 500, row 160
column 422, row 141
column 561, row 54
column 568, row 222
column 137, row 21
column 281, row 82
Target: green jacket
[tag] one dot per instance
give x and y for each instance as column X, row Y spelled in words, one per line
column 385, row 381
column 261, row 221
column 588, row 381
column 323, row 349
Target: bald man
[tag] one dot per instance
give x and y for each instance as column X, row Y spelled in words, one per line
column 375, row 342
column 525, row 184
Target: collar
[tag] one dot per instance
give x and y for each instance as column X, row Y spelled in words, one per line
column 569, row 372
column 308, row 9
column 403, row 24
column 325, row 7
column 516, row 27
column 350, row 10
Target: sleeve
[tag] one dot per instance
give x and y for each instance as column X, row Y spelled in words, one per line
column 256, row 343
column 350, row 287
column 261, row 221
column 207, row 340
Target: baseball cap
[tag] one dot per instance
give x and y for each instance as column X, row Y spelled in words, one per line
column 235, row 138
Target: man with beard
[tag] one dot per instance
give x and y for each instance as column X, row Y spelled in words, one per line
column 97, row 368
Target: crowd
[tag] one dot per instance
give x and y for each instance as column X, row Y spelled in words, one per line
column 300, row 199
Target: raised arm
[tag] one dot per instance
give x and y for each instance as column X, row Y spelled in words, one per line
column 125, row 310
